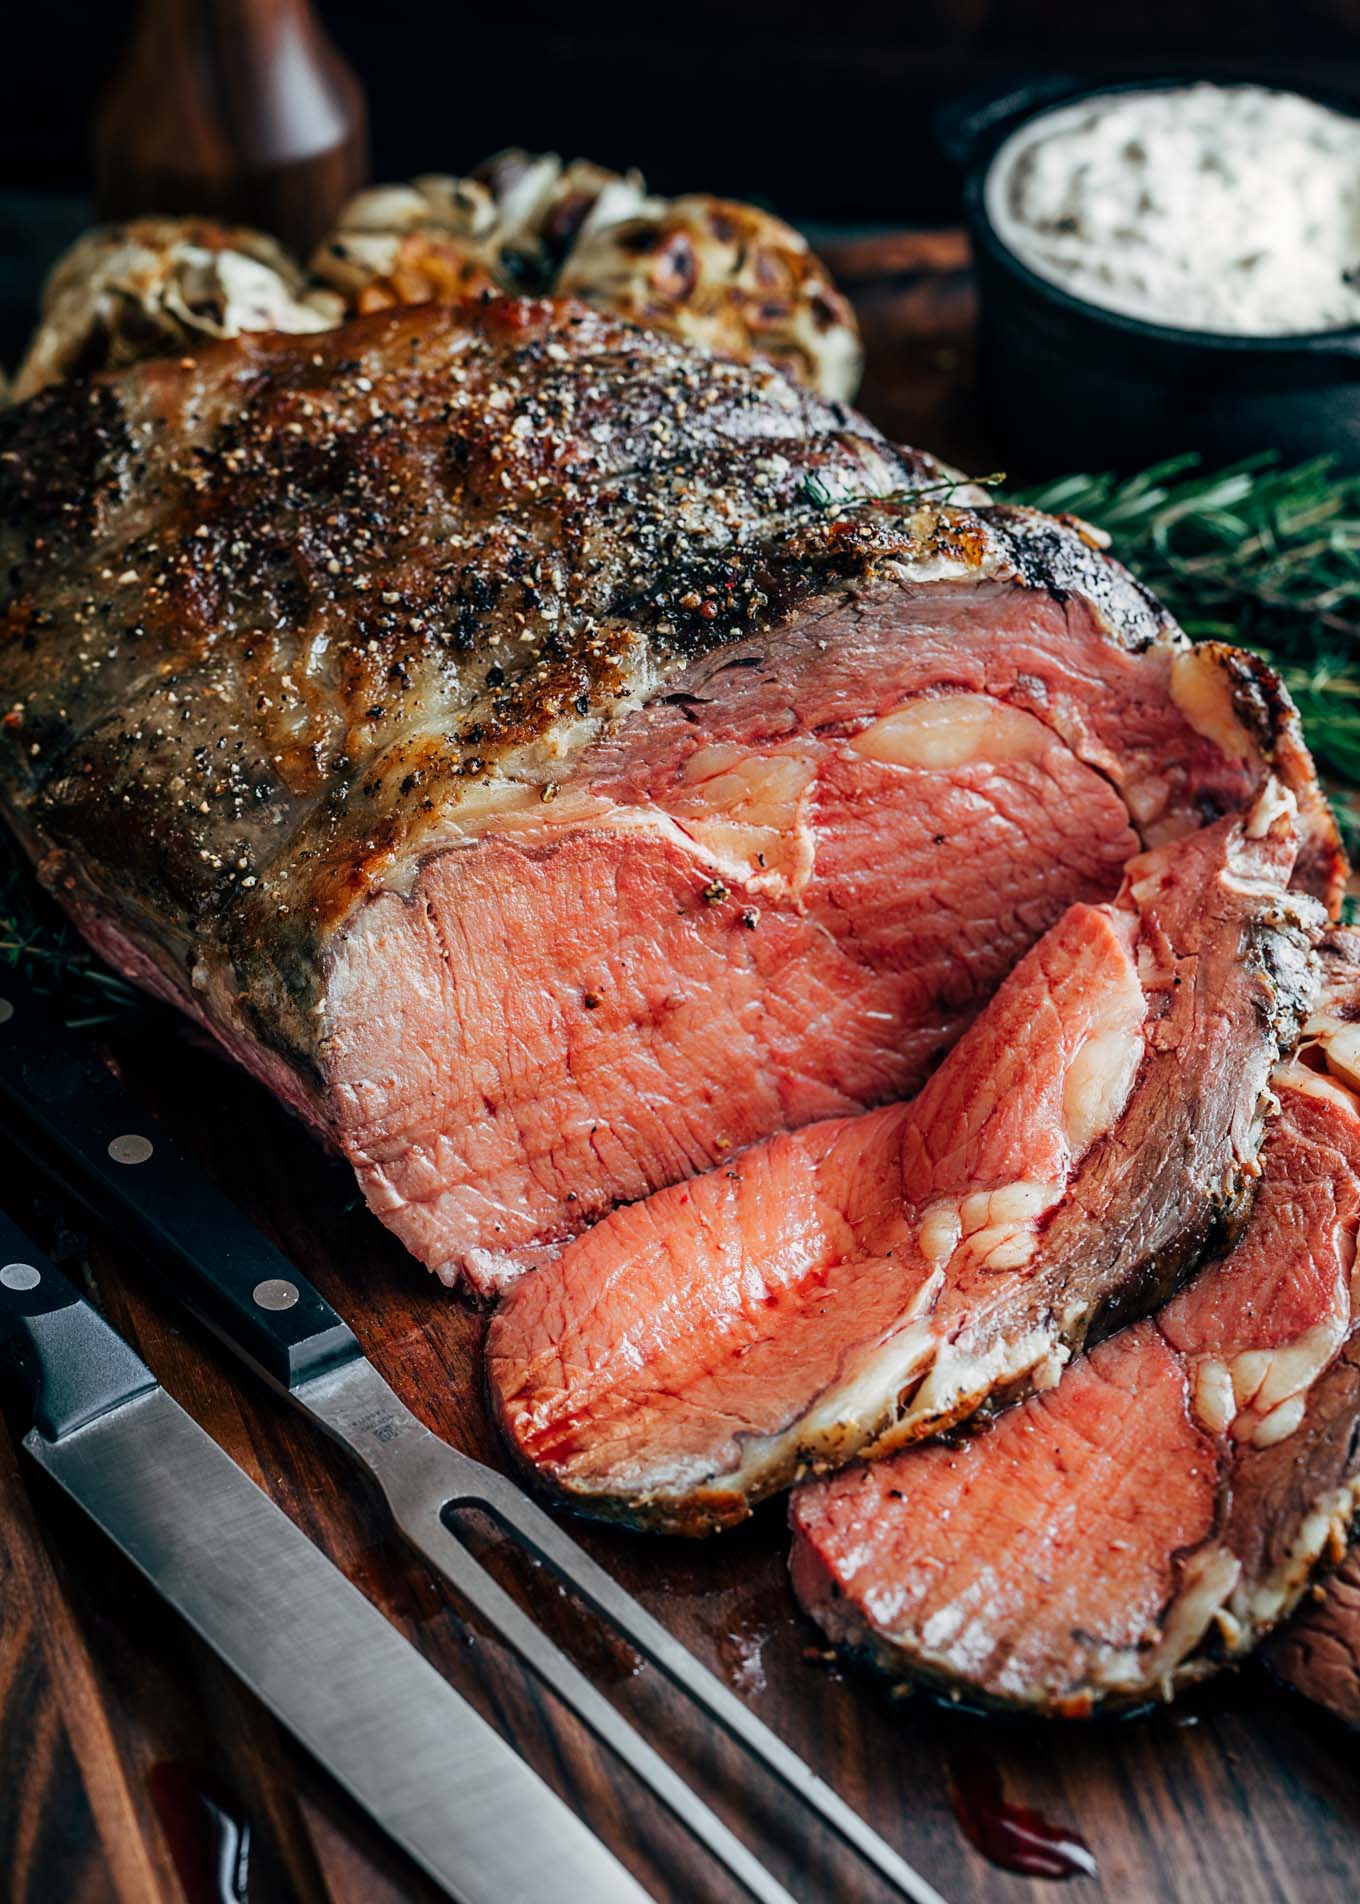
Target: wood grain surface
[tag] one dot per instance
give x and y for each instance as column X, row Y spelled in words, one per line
column 1240, row 1795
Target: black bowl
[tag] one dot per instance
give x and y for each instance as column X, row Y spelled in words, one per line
column 1071, row 386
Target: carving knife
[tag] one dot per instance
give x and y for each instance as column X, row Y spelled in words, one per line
column 86, row 1129
column 359, row 1697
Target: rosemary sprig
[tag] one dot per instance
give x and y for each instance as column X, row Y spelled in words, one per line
column 817, row 491
column 38, row 941
column 1255, row 554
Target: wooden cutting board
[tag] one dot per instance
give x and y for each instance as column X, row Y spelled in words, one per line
column 129, row 1759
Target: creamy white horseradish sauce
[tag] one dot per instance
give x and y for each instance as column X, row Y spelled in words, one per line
column 1207, row 208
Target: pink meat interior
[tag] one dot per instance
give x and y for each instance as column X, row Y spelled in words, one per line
column 776, row 894
column 721, row 1309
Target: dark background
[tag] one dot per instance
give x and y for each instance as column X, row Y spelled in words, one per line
column 823, row 110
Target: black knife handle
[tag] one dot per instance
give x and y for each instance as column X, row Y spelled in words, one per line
column 74, row 1365
column 79, row 1122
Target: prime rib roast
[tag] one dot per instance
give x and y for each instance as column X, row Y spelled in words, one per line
column 565, row 767
column 554, row 760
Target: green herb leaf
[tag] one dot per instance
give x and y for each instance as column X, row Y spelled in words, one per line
column 38, row 941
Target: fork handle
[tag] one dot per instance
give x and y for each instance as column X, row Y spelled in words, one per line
column 81, row 1125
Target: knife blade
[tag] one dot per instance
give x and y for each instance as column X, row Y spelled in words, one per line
column 407, row 1747
column 83, row 1126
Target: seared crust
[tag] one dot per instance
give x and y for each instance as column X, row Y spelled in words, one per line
column 1318, row 1653
column 270, row 613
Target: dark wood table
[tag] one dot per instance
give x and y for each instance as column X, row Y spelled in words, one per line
column 126, row 1752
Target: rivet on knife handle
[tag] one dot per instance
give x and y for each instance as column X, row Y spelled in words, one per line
column 244, row 1288
column 75, row 1367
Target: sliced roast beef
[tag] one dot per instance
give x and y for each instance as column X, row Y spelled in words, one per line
column 1318, row 1652
column 1165, row 1505
column 870, row 1280
column 554, row 760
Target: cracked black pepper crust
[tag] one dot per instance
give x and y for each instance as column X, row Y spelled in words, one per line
column 268, row 612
